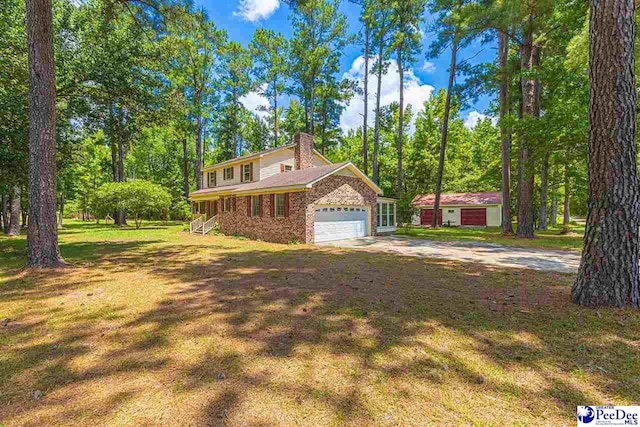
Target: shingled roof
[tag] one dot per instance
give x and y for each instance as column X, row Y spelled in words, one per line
column 452, row 199
column 295, row 178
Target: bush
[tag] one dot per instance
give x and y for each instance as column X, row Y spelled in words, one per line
column 138, row 199
column 180, row 211
column 566, row 229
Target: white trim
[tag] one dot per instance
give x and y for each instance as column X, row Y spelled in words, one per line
column 355, row 170
column 267, row 190
column 457, row 206
column 316, row 152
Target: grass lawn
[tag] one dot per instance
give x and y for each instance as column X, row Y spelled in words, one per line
column 550, row 239
column 159, row 327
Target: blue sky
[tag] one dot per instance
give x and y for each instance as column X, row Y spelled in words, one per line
column 240, row 18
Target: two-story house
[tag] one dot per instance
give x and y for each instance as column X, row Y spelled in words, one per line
column 291, row 193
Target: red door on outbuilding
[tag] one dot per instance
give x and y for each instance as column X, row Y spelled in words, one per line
column 426, row 216
column 473, row 216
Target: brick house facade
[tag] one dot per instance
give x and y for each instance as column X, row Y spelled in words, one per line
column 314, row 182
column 298, row 225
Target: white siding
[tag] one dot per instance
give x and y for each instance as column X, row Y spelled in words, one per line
column 221, row 182
column 451, row 216
column 319, row 161
column 494, row 216
column 270, row 163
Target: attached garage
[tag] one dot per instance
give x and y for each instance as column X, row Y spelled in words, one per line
column 340, row 222
column 473, row 216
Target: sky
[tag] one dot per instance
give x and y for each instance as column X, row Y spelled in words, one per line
column 240, row 18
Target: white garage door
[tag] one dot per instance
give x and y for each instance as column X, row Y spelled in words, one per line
column 340, row 222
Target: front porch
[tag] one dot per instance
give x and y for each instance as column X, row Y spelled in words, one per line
column 204, row 215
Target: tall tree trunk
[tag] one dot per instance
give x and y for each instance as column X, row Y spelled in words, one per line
column 275, row 113
column 376, row 128
column 312, row 103
column 505, row 133
column 61, row 214
column 365, row 126
column 445, row 131
column 553, row 217
column 199, row 152
column 544, row 186
column 120, row 219
column 399, row 142
column 529, row 108
column 4, row 213
column 42, row 233
column 185, row 168
column 14, row 207
column 609, row 273
column 567, row 205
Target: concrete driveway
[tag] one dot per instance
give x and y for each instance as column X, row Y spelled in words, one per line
column 484, row 253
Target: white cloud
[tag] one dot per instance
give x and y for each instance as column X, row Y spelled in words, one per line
column 252, row 101
column 415, row 93
column 428, row 67
column 255, row 10
column 472, row 119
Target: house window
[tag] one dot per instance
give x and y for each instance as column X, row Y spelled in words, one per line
column 246, row 172
column 255, row 206
column 385, row 213
column 450, row 211
column 227, row 204
column 279, row 199
column 228, row 173
column 212, row 179
column 288, row 168
column 201, row 208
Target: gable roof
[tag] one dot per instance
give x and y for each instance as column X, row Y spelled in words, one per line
column 485, row 198
column 299, row 179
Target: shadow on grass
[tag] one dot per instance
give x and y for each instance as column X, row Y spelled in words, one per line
column 379, row 311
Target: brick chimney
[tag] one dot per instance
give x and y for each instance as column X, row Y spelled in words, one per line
column 303, row 150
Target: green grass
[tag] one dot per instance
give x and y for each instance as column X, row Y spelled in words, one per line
column 141, row 325
column 550, row 239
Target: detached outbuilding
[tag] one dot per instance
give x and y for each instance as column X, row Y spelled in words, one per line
column 461, row 209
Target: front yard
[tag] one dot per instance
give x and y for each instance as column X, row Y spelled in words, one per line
column 156, row 326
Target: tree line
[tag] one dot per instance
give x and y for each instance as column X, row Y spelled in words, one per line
column 153, row 90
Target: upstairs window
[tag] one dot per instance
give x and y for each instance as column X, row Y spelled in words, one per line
column 285, row 168
column 212, row 179
column 246, row 172
column 228, row 173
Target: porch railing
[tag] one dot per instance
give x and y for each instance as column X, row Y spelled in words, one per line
column 209, row 224
column 195, row 225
